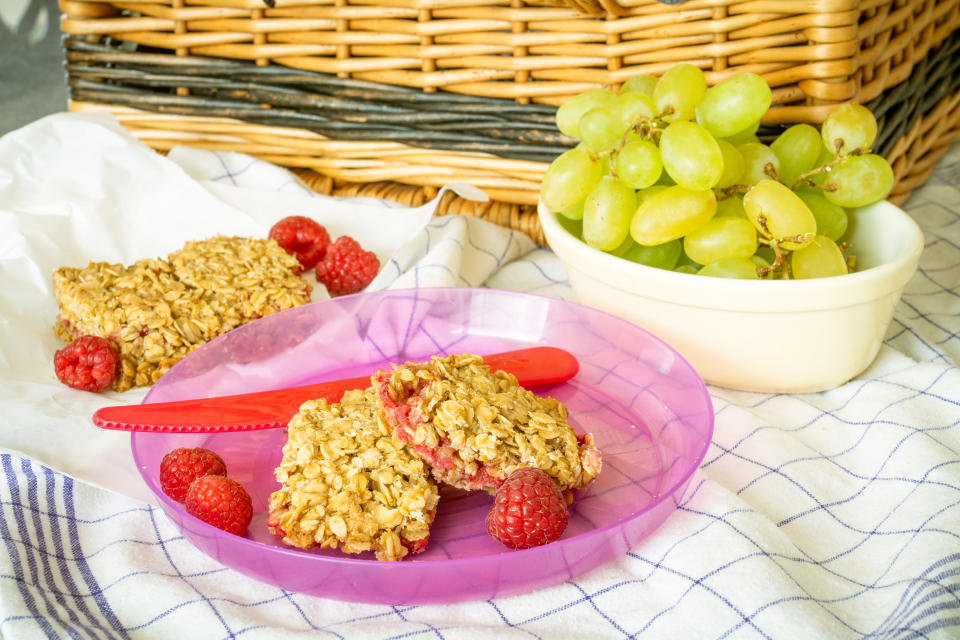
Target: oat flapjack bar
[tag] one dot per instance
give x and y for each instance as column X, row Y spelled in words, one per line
column 347, row 483
column 474, row 426
column 157, row 311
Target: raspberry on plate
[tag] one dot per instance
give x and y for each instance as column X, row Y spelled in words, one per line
column 302, row 237
column 220, row 501
column 88, row 363
column 180, row 467
column 346, row 267
column 528, row 511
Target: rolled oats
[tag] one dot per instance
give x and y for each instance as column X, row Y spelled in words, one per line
column 157, row 311
column 475, row 426
column 347, row 483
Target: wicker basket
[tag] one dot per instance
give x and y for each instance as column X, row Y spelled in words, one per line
column 397, row 97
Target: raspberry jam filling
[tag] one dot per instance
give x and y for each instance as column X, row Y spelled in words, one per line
column 68, row 326
column 407, row 414
column 473, row 426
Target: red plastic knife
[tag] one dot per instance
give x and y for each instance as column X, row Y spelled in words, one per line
column 534, row 366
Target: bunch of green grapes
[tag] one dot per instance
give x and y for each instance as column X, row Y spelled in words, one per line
column 670, row 173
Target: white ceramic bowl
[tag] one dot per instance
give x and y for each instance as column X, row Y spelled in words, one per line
column 783, row 336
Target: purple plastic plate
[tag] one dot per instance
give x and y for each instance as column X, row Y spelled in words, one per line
column 647, row 408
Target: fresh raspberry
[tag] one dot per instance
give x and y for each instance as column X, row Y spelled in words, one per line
column 302, row 237
column 220, row 501
column 182, row 466
column 528, row 510
column 347, row 267
column 88, row 363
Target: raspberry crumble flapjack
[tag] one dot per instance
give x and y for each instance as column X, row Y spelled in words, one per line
column 475, row 426
column 157, row 311
column 348, row 484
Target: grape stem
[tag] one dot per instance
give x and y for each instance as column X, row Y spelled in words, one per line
column 851, row 260
column 733, row 191
column 645, row 128
column 807, row 178
column 779, row 266
column 780, row 259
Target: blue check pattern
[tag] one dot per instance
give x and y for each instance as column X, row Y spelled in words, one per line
column 831, row 515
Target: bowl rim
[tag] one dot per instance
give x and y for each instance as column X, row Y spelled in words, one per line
column 814, row 294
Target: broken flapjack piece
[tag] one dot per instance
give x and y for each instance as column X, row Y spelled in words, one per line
column 348, row 484
column 157, row 311
column 475, row 426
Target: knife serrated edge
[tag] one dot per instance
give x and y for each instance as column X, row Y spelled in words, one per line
column 151, row 428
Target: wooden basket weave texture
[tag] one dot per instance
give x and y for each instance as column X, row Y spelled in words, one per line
column 814, row 53
column 322, row 87
column 913, row 156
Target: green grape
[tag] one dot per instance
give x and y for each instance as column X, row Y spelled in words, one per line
column 849, row 127
column 678, row 91
column 687, row 268
column 758, row 158
column 665, row 180
column 819, row 259
column 779, row 213
column 600, row 130
column 826, row 157
column 734, row 105
column 731, row 207
column 798, row 149
column 569, row 178
column 606, row 160
column 638, row 163
column 691, row 155
column 607, row 213
column 747, row 135
column 859, row 181
column 645, row 194
column 641, row 84
column 720, row 238
column 573, row 227
column 570, row 112
column 831, row 218
column 623, row 247
column 685, row 260
column 766, row 253
column 631, row 108
column 671, row 213
column 733, row 165
column 661, row 256
column 759, row 260
column 575, row 212
column 743, row 268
